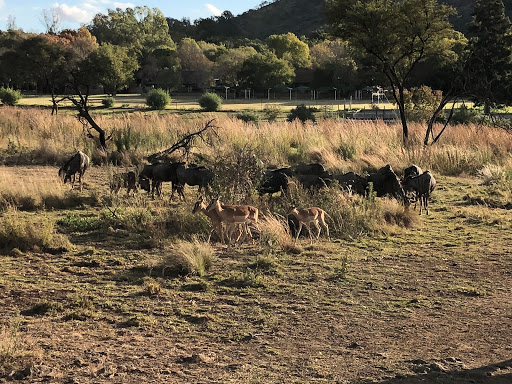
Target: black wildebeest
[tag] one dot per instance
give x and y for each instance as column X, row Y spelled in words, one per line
column 385, row 182
column 410, row 194
column 352, row 182
column 273, row 181
column 124, row 180
column 423, row 185
column 159, row 173
column 78, row 163
column 200, row 176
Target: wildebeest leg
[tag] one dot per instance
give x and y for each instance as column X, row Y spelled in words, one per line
column 426, row 203
column 80, row 174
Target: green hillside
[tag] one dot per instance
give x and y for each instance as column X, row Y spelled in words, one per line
column 303, row 17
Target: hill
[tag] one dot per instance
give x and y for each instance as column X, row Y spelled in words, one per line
column 304, row 17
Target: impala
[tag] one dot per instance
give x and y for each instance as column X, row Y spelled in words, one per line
column 235, row 215
column 212, row 215
column 313, row 215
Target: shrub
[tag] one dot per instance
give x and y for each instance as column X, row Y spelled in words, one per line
column 302, row 113
column 271, row 112
column 108, row 102
column 248, row 116
column 27, row 233
column 188, row 258
column 158, row 99
column 465, row 115
column 9, row 96
column 210, row 102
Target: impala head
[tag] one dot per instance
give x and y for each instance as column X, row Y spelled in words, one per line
column 214, row 204
column 199, row 205
column 292, row 209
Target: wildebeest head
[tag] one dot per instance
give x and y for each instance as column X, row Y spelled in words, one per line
column 386, row 182
column 145, row 183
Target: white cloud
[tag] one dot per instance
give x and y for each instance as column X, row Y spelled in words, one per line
column 2, row 4
column 123, row 5
column 78, row 14
column 213, row 9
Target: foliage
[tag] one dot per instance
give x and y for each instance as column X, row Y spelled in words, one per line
column 395, row 36
column 248, row 116
column 158, row 99
column 466, row 115
column 302, row 113
column 230, row 62
column 210, row 102
column 289, row 47
column 265, row 70
column 108, row 102
column 113, row 65
column 420, row 103
column 489, row 68
column 272, row 112
column 141, row 30
column 9, row 96
column 194, row 61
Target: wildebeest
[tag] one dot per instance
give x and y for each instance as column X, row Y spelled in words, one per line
column 423, row 185
column 200, row 176
column 410, row 194
column 385, row 182
column 412, row 170
column 78, row 163
column 353, row 182
column 124, row 180
column 273, row 181
column 308, row 175
column 159, row 173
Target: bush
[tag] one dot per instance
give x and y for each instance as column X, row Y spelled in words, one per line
column 210, row 102
column 248, row 116
column 271, row 112
column 158, row 99
column 465, row 115
column 302, row 113
column 188, row 258
column 9, row 96
column 108, row 102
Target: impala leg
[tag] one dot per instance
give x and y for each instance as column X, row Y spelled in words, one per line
column 298, row 231
column 319, row 229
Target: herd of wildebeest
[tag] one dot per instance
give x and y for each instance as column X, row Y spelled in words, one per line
column 230, row 221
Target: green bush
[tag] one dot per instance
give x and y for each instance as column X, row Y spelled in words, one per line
column 108, row 102
column 302, row 113
column 210, row 102
column 248, row 116
column 158, row 99
column 465, row 115
column 9, row 96
column 271, row 112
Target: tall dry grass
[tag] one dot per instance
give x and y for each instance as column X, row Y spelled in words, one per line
column 341, row 145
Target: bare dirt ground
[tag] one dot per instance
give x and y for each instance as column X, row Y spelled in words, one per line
column 431, row 304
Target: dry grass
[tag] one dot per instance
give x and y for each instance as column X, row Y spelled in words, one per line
column 341, row 145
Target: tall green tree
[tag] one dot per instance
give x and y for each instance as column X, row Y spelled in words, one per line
column 230, row 63
column 114, row 67
column 194, row 62
column 140, row 29
column 394, row 36
column 489, row 67
column 288, row 46
column 265, row 70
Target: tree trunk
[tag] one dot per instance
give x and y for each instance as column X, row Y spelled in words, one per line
column 403, row 118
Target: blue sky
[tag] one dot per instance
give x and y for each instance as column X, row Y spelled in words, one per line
column 28, row 13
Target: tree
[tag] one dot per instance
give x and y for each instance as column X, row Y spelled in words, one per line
column 333, row 64
column 140, row 29
column 114, row 67
column 265, row 70
column 394, row 36
column 230, row 63
column 196, row 65
column 489, row 67
column 289, row 47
